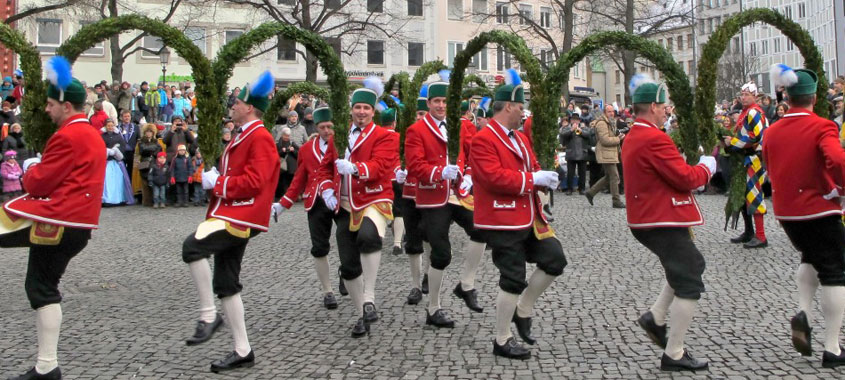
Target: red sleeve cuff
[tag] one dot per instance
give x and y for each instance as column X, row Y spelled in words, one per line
column 286, row 202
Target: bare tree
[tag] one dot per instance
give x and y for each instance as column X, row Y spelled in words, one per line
column 32, row 10
column 731, row 67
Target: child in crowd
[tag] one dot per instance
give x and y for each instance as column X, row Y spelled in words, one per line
column 199, row 165
column 181, row 174
column 11, row 173
column 158, row 178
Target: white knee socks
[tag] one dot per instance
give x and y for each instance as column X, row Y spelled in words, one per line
column 833, row 305
column 435, row 280
column 233, row 307
column 682, row 310
column 808, row 281
column 661, row 305
column 536, row 285
column 369, row 264
column 321, row 264
column 48, row 322
column 398, row 231
column 472, row 257
column 505, row 307
column 415, row 261
column 201, row 273
column 355, row 287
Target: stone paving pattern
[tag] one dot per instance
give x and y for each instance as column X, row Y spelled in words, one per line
column 130, row 303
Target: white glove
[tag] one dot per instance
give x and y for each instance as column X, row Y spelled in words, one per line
column 832, row 194
column 118, row 155
column 31, row 161
column 329, row 198
column 401, row 175
column 345, row 167
column 545, row 178
column 109, row 152
column 466, row 184
column 276, row 210
column 450, row 172
column 709, row 162
column 209, row 178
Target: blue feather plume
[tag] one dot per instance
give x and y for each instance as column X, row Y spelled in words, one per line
column 512, row 77
column 263, row 85
column 783, row 75
column 381, row 106
column 396, row 100
column 424, row 91
column 637, row 80
column 444, row 75
column 58, row 72
column 485, row 103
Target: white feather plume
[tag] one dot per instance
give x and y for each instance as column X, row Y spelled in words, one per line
column 783, row 75
column 374, row 83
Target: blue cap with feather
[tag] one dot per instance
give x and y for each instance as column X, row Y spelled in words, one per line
column 257, row 94
column 63, row 86
column 483, row 109
column 797, row 82
column 512, row 90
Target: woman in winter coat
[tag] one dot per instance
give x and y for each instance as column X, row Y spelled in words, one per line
column 146, row 150
column 181, row 106
column 14, row 141
column 288, row 151
column 117, row 188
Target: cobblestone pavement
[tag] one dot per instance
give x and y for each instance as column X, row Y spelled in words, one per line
column 129, row 304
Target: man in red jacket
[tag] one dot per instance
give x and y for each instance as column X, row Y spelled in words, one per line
column 61, row 207
column 661, row 209
column 239, row 208
column 307, row 183
column 437, row 200
column 508, row 212
column 807, row 168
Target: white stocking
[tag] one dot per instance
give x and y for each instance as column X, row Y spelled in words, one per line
column 233, row 307
column 48, row 323
column 201, row 273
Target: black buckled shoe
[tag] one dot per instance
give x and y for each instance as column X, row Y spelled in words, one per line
column 685, row 363
column 424, row 287
column 655, row 332
column 745, row 237
column 802, row 334
column 415, row 296
column 756, row 243
column 233, row 361
column 470, row 298
column 329, row 301
column 55, row 374
column 523, row 327
column 511, row 349
column 829, row 360
column 397, row 250
column 439, row 319
column 341, row 288
column 361, row 328
column 205, row 331
column 370, row 313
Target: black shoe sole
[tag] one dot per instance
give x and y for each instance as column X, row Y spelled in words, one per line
column 413, row 302
column 198, row 342
column 651, row 336
column 461, row 296
column 832, row 364
column 764, row 245
column 674, row 368
column 330, row 306
column 517, row 357
column 441, row 326
column 361, row 335
column 242, row 365
column 801, row 343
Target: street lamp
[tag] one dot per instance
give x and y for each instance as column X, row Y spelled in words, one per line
column 164, row 56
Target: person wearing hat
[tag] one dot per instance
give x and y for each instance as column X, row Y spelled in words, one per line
column 19, row 90
column 661, row 209
column 749, row 132
column 508, row 213
column 308, row 122
column 576, row 138
column 361, row 194
column 438, row 187
column 61, row 207
column 387, row 120
column 483, row 113
column 807, row 169
column 307, row 182
column 239, row 208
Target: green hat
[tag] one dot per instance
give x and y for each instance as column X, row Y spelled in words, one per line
column 645, row 90
column 512, row 90
column 322, row 114
column 74, row 93
column 440, row 89
column 483, row 108
column 464, row 106
column 422, row 104
column 387, row 116
column 369, row 94
column 257, row 94
column 808, row 83
column 63, row 86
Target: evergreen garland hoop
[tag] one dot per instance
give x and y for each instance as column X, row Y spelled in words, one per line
column 421, row 76
column 36, row 123
column 280, row 98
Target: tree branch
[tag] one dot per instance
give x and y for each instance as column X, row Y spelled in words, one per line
column 36, row 10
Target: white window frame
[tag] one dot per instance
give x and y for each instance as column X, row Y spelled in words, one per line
column 522, row 17
column 278, row 49
column 422, row 60
column 479, row 16
column 49, row 48
column 481, row 59
column 422, row 9
column 100, row 45
column 454, row 16
column 453, row 48
column 502, row 18
column 545, row 17
column 226, row 34
column 148, row 55
column 204, row 46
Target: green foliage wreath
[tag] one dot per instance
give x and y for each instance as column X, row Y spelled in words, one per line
column 36, row 123
column 280, row 99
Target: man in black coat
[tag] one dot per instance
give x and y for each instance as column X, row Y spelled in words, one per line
column 129, row 131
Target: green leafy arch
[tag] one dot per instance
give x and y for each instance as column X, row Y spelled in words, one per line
column 420, row 76
column 534, row 74
column 209, row 109
column 238, row 49
column 676, row 80
column 36, row 123
column 705, row 96
column 281, row 98
column 475, row 86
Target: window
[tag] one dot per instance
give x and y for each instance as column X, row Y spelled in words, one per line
column 503, row 59
column 618, row 77
column 764, row 47
column 332, row 4
column 526, row 13
column 701, row 26
column 455, row 9
column 777, row 45
column 689, row 41
column 787, row 11
column 334, row 42
column 736, row 45
column 753, row 48
column 416, row 53
column 375, row 6
column 48, row 35
column 502, row 13
column 802, row 10
column 479, row 10
column 415, row 8
column 689, row 68
column 547, row 57
column 197, row 36
column 97, row 50
column 286, row 2
column 232, row 34
column 680, row 43
column 545, row 17
column 375, row 52
column 454, row 49
column 669, row 42
column 152, row 45
column 479, row 61
column 789, row 45
column 286, row 50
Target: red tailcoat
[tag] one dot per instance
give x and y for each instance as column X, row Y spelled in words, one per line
column 505, row 196
column 805, row 162
column 658, row 182
column 526, row 129
column 66, row 188
column 426, row 154
column 249, row 173
column 375, row 154
column 306, row 180
column 468, row 130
